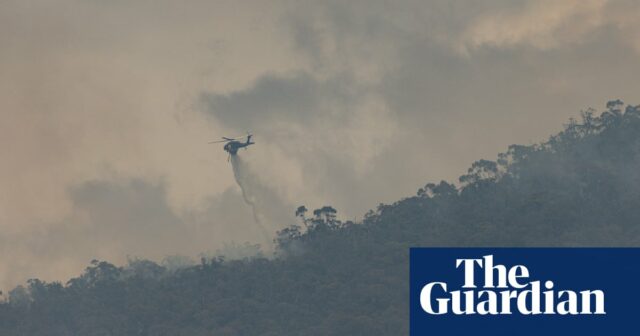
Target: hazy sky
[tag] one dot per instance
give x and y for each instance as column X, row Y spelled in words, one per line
column 107, row 108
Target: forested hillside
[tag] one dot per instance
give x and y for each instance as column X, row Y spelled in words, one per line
column 579, row 188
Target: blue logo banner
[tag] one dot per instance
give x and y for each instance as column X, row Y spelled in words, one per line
column 524, row 291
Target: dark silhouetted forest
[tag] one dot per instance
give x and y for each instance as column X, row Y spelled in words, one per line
column 579, row 188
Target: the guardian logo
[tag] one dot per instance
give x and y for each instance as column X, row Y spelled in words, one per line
column 494, row 289
column 524, row 291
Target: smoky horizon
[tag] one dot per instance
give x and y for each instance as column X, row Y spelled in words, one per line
column 108, row 109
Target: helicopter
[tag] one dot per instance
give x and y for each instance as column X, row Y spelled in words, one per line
column 233, row 144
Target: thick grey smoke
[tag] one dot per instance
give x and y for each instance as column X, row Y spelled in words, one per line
column 268, row 209
column 356, row 103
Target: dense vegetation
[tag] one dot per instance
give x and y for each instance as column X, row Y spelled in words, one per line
column 579, row 188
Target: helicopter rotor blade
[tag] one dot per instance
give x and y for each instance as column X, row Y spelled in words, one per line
column 227, row 139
